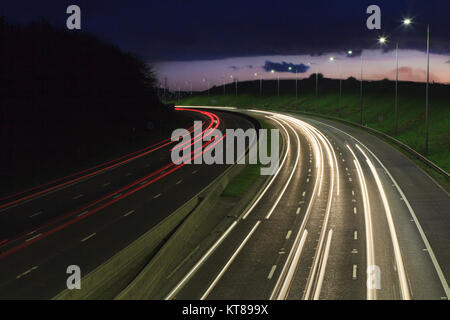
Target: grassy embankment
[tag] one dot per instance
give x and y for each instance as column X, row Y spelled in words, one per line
column 243, row 181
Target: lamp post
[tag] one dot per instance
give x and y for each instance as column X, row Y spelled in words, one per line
column 407, row 22
column 396, row 91
column 207, row 84
column 278, row 80
column 260, row 83
column 332, row 59
column 361, row 94
column 272, row 71
column 427, row 89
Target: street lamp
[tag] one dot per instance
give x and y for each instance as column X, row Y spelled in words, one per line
column 207, row 84
column 296, row 82
column 428, row 84
column 407, row 22
column 224, row 85
column 340, row 82
column 382, row 41
column 361, row 93
column 278, row 81
column 260, row 83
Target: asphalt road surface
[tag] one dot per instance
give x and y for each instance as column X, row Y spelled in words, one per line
column 346, row 217
column 87, row 217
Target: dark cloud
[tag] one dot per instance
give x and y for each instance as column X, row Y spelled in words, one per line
column 448, row 61
column 285, row 67
column 235, row 68
column 207, row 30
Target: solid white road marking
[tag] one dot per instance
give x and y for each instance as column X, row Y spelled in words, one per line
column 397, row 252
column 284, row 290
column 408, row 205
column 219, row 276
column 323, row 266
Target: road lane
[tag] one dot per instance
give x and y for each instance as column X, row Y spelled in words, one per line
column 363, row 229
column 114, row 227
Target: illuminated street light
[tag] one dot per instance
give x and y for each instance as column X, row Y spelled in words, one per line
column 332, row 59
column 396, row 82
column 349, row 52
column 382, row 40
column 407, row 21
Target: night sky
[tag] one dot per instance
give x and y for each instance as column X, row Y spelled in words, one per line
column 207, row 42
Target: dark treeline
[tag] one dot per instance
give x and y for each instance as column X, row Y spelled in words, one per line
column 328, row 86
column 65, row 95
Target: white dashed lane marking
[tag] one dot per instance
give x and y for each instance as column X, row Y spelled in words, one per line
column 83, row 213
column 26, row 272
column 128, row 213
column 355, row 272
column 32, row 238
column 88, row 237
column 288, row 235
column 272, row 271
column 35, row 214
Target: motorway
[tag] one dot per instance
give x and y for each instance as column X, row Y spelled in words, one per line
column 346, row 216
column 85, row 218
